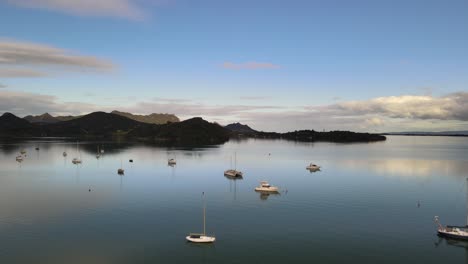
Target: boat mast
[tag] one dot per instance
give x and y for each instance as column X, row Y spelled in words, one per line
column 466, row 202
column 204, row 212
column 235, row 161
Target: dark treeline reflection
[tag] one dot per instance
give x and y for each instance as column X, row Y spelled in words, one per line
column 109, row 147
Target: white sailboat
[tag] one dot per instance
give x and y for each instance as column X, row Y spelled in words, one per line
column 455, row 232
column 201, row 238
column 77, row 160
column 233, row 173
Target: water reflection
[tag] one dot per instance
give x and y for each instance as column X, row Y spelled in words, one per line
column 264, row 195
column 408, row 167
column 454, row 243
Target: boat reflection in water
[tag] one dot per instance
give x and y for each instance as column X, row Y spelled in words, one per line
column 454, row 243
column 264, row 195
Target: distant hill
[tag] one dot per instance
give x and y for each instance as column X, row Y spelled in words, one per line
column 240, row 128
column 13, row 125
column 195, row 131
column 151, row 118
column 67, row 118
column 45, row 118
column 95, row 124
column 191, row 131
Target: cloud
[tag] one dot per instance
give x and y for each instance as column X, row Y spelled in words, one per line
column 24, row 103
column 129, row 9
column 449, row 107
column 20, row 73
column 254, row 98
column 20, row 59
column 249, row 65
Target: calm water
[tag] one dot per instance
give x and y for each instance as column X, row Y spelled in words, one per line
column 362, row 207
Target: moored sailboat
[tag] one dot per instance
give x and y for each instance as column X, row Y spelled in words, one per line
column 201, row 237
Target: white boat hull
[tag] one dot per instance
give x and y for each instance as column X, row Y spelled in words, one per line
column 200, row 239
column 266, row 189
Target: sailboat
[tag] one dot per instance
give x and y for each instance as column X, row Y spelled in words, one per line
column 77, row 160
column 201, row 238
column 98, row 155
column 120, row 171
column 233, row 172
column 455, row 232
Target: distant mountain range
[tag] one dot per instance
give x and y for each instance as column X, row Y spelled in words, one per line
column 151, row 118
column 107, row 125
column 46, row 118
column 194, row 131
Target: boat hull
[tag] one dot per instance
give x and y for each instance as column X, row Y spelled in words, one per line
column 264, row 189
column 233, row 174
column 455, row 232
column 200, row 239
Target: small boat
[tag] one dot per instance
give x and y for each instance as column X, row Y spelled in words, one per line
column 171, row 162
column 313, row 167
column 98, row 155
column 37, row 148
column 23, row 151
column 64, row 154
column 120, row 171
column 456, row 232
column 201, row 238
column 130, row 160
column 77, row 160
column 233, row 173
column 102, row 151
column 19, row 158
column 266, row 187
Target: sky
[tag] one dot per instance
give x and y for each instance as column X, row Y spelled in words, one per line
column 363, row 65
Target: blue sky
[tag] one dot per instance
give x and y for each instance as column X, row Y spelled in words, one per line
column 276, row 65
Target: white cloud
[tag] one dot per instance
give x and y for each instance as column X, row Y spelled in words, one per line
column 249, row 65
column 449, row 107
column 25, row 59
column 129, row 9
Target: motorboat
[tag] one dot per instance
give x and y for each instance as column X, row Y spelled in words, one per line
column 266, row 187
column 313, row 167
column 23, row 151
column 64, row 154
column 455, row 232
column 201, row 237
column 19, row 158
